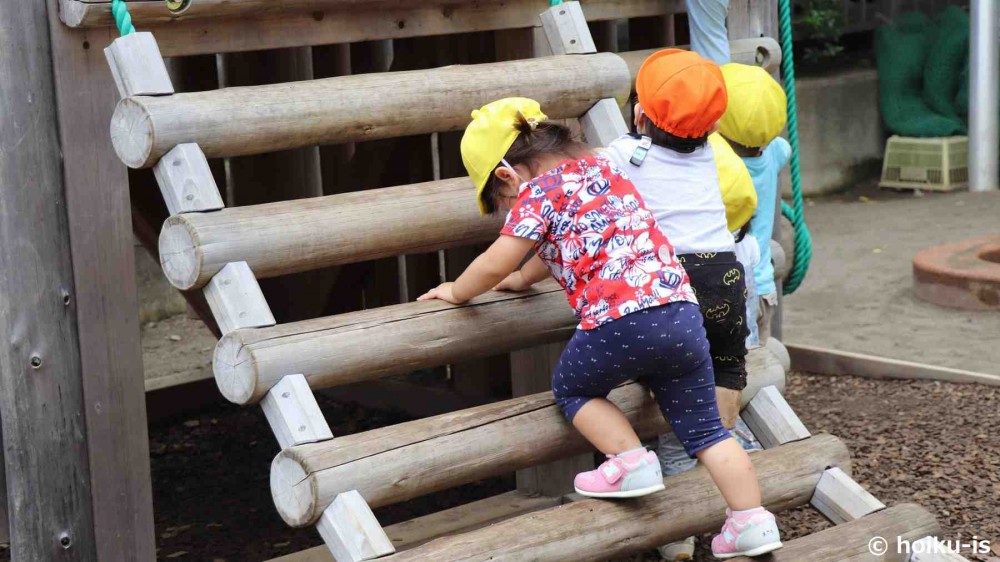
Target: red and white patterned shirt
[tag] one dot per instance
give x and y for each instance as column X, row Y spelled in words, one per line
column 600, row 242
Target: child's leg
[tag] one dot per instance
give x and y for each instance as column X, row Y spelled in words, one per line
column 707, row 21
column 606, row 427
column 733, row 473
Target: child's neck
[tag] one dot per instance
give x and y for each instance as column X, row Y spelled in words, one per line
column 744, row 151
column 546, row 162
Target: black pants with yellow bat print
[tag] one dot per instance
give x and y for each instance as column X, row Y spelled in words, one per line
column 720, row 285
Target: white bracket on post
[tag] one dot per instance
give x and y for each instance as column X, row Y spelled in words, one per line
column 350, row 530
column 137, row 66
column 186, row 181
column 293, row 413
column 841, row 499
column 772, row 420
column 567, row 31
column 603, row 123
column 236, row 299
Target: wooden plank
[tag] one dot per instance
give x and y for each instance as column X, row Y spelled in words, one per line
column 186, row 181
column 603, row 123
column 404, row 461
column 293, row 413
column 41, row 394
column 597, row 530
column 850, row 542
column 273, row 117
column 772, row 420
column 193, row 33
column 101, row 244
column 350, row 530
column 566, row 29
column 841, row 499
column 833, row 362
column 137, row 67
column 236, row 299
column 463, row 518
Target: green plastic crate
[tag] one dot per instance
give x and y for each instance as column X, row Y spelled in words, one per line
column 935, row 164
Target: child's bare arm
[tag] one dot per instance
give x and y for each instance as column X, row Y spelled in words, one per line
column 490, row 268
column 529, row 274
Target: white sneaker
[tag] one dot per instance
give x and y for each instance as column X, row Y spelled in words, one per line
column 676, row 551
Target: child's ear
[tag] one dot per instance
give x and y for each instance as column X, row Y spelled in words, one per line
column 638, row 116
column 505, row 175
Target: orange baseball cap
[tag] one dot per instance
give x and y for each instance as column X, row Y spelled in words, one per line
column 681, row 92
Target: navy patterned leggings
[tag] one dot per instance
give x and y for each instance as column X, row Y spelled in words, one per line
column 665, row 349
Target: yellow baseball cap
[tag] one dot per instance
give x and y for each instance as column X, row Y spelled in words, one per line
column 757, row 106
column 738, row 193
column 490, row 135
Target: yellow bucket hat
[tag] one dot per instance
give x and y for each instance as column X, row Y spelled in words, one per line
column 757, row 106
column 490, row 135
column 738, row 193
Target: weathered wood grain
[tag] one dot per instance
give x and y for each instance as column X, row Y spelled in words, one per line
column 42, row 401
column 849, row 542
column 350, row 530
column 597, row 530
column 268, row 118
column 101, row 243
column 302, row 235
column 380, row 342
column 463, row 518
column 841, row 499
column 244, row 26
column 404, row 461
column 772, row 420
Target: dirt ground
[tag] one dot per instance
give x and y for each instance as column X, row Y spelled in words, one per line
column 923, row 442
column 858, row 294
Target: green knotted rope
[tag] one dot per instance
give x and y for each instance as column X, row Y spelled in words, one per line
column 793, row 212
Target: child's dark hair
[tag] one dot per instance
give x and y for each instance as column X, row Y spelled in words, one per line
column 663, row 138
column 533, row 141
column 742, row 232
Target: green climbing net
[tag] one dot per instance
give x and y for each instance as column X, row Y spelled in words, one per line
column 793, row 212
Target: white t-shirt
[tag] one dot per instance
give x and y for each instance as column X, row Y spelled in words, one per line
column 682, row 192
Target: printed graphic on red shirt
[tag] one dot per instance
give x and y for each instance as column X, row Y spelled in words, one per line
column 599, row 241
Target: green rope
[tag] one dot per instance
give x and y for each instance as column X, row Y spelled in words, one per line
column 122, row 18
column 793, row 212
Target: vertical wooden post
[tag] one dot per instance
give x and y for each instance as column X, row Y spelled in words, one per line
column 71, row 386
column 41, row 394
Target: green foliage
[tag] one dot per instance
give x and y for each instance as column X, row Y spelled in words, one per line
column 821, row 23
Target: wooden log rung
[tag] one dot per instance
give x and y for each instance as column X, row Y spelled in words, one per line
column 186, row 181
column 851, row 541
column 598, row 530
column 841, row 499
column 772, row 420
column 397, row 463
column 236, row 300
column 137, row 67
column 258, row 119
column 293, row 413
column 351, row 532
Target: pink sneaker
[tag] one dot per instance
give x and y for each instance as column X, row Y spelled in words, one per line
column 629, row 476
column 747, row 534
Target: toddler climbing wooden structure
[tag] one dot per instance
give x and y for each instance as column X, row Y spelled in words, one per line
column 331, row 481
